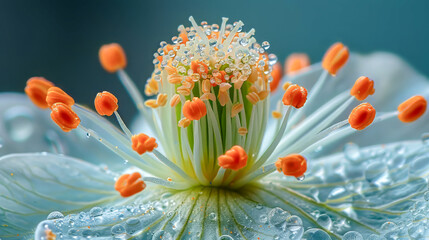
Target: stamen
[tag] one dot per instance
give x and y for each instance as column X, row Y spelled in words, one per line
column 112, row 57
column 276, row 114
column 151, row 103
column 412, row 109
column 105, row 103
column 277, row 74
column 295, row 96
column 174, row 100
column 292, row 165
column 335, row 58
column 253, row 97
column 296, row 62
column 234, row 159
column 142, row 143
column 236, row 108
column 195, row 109
column 151, row 87
column 242, row 131
column 130, row 184
column 161, row 100
column 362, row 88
column 64, row 117
column 56, row 94
column 184, row 122
column 362, row 116
column 37, row 90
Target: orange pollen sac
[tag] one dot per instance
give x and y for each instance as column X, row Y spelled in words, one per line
column 64, row 116
column 112, row 57
column 105, row 103
column 362, row 116
column 412, row 109
column 277, row 74
column 292, row 165
column 129, row 184
column 56, row 94
column 363, row 88
column 37, row 89
column 195, row 109
column 295, row 96
column 296, row 62
column 335, row 58
column 234, row 159
column 143, row 143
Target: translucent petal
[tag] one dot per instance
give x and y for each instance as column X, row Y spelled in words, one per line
column 34, row 185
column 380, row 193
column 25, row 128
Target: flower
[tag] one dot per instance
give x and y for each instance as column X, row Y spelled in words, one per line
column 213, row 164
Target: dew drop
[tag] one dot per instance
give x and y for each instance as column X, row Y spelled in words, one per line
column 301, row 178
column 263, row 218
column 352, row 235
column 259, row 206
column 225, row 237
column 325, row 221
column 387, row 227
column 272, row 59
column 377, row 174
column 265, row 45
column 352, row 152
column 212, row 216
column 277, row 217
column 425, row 139
column 96, row 211
column 19, row 123
column 162, row 235
column 426, row 196
column 295, row 227
column 117, row 229
column 88, row 135
column 315, row 234
column 55, row 215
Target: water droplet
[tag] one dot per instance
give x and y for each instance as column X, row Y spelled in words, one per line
column 225, row 237
column 387, row 227
column 162, row 235
column 88, row 135
column 301, row 178
column 272, row 59
column 425, row 139
column 19, row 123
column 325, row 221
column 426, row 195
column 55, row 215
column 295, row 227
column 352, row 152
column 377, row 174
column 212, row 216
column 315, row 234
column 263, row 218
column 96, row 211
column 259, row 206
column 277, row 217
column 265, row 45
column 117, row 229
column 352, row 235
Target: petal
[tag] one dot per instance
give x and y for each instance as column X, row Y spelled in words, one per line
column 33, row 185
column 354, row 197
column 25, row 128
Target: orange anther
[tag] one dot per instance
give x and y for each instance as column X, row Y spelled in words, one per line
column 151, row 87
column 37, row 89
column 184, row 37
column 276, row 114
column 412, row 109
column 242, row 131
column 236, row 108
column 64, row 116
column 184, row 123
column 362, row 88
column 235, row 158
column 49, row 235
column 184, row 90
column 199, row 67
column 105, row 103
column 286, row 85
column 292, row 165
column 129, row 184
column 296, row 62
column 56, row 94
column 112, row 57
column 175, row 100
column 151, row 103
column 295, row 96
column 277, row 74
column 362, row 116
column 335, row 58
column 253, row 97
column 161, row 100
column 263, row 94
column 143, row 143
column 195, row 109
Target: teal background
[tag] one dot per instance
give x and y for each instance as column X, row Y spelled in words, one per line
column 60, row 39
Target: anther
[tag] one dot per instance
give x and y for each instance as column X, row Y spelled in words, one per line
column 292, row 165
column 296, row 62
column 142, row 143
column 223, row 95
column 362, row 116
column 234, row 159
column 412, row 109
column 253, row 97
column 277, row 74
column 263, row 94
column 151, row 103
column 242, row 131
column 174, row 100
column 37, row 89
column 236, row 108
column 362, row 88
column 295, row 96
column 286, row 85
column 161, row 100
column 151, row 87
column 49, row 235
column 174, row 78
column 208, row 96
column 64, row 117
column 105, row 103
column 335, row 58
column 184, row 90
column 129, row 184
column 276, row 114
column 206, row 86
column 195, row 109
column 112, row 57
column 56, row 94
column 184, row 122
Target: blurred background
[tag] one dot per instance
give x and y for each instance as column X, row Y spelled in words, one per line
column 60, row 39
